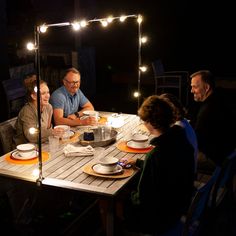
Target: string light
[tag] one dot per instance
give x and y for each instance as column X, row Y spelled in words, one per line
column 76, row 25
column 43, row 28
column 144, row 39
column 137, row 94
column 30, row 46
column 143, row 68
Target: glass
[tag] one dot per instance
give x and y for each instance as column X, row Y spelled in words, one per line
column 53, row 143
column 73, row 82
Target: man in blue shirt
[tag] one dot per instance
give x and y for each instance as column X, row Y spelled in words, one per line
column 69, row 102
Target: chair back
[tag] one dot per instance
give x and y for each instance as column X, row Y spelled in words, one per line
column 15, row 95
column 224, row 182
column 198, row 207
column 173, row 81
column 7, row 131
column 158, row 67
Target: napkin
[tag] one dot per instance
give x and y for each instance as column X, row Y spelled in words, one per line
column 71, row 150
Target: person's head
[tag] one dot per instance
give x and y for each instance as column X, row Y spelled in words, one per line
column 30, row 83
column 178, row 109
column 156, row 113
column 71, row 80
column 202, row 85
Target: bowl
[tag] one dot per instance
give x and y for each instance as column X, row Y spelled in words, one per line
column 26, row 150
column 65, row 127
column 108, row 163
column 139, row 137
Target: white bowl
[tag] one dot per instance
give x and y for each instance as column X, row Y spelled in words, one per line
column 108, row 163
column 137, row 145
column 26, row 150
column 139, row 137
column 65, row 127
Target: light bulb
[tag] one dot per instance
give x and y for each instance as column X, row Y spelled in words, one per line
column 144, row 39
column 143, row 68
column 30, row 46
column 43, row 28
column 76, row 26
column 136, row 94
column 122, row 18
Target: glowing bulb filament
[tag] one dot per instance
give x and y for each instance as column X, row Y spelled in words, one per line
column 136, row 94
column 76, row 26
column 43, row 28
column 30, row 46
column 144, row 39
column 143, row 68
column 122, row 18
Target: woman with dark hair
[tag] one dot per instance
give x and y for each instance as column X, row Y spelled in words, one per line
column 165, row 186
column 27, row 117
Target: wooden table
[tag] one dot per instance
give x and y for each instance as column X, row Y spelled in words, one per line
column 67, row 172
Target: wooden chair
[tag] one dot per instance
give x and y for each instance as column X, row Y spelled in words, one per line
column 7, row 131
column 169, row 80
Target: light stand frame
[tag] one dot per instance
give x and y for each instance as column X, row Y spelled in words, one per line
column 38, row 68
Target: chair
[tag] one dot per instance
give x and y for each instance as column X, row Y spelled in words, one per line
column 194, row 219
column 225, row 181
column 169, row 80
column 7, row 131
column 15, row 96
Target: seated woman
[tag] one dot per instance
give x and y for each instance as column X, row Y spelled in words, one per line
column 27, row 117
column 166, row 184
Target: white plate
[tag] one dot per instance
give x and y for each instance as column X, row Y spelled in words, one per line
column 132, row 144
column 17, row 156
column 99, row 169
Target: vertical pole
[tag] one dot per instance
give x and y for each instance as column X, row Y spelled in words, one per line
column 37, row 62
column 139, row 59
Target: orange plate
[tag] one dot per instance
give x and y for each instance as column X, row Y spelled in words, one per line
column 8, row 157
column 123, row 147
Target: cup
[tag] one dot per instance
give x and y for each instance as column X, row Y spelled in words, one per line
column 53, row 143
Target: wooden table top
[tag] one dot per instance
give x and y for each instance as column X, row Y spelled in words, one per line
column 67, row 172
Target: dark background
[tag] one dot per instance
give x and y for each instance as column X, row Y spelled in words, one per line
column 185, row 35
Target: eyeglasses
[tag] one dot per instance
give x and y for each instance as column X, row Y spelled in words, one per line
column 73, row 82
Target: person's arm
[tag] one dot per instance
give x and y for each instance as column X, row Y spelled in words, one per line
column 60, row 120
column 87, row 106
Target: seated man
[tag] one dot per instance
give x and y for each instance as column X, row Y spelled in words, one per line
column 215, row 122
column 69, row 102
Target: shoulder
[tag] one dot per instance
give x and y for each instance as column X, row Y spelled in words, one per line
column 59, row 93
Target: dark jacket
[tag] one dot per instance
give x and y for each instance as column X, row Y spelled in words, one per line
column 165, row 186
column 215, row 128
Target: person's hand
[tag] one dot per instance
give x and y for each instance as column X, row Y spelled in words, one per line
column 58, row 132
column 72, row 116
column 88, row 120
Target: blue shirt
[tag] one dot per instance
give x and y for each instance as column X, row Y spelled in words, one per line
column 61, row 99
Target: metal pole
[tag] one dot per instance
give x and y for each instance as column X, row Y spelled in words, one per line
column 139, row 61
column 37, row 62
